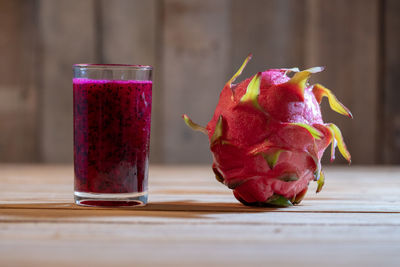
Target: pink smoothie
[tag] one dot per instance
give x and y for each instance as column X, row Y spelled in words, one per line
column 111, row 135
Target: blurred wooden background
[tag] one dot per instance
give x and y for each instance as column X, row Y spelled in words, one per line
column 195, row 47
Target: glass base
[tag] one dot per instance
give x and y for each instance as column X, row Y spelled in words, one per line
column 110, row 200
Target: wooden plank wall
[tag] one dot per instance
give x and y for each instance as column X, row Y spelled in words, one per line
column 390, row 72
column 195, row 46
column 67, row 35
column 18, row 92
column 343, row 36
column 195, row 60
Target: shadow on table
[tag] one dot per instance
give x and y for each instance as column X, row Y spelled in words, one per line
column 173, row 209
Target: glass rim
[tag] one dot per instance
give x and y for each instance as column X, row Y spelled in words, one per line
column 112, row 66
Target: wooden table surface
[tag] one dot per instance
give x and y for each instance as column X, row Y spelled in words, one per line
column 192, row 220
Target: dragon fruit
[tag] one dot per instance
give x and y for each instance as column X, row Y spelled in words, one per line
column 267, row 136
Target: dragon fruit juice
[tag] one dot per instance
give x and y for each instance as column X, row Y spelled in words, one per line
column 111, row 135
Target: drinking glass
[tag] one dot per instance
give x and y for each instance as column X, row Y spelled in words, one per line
column 112, row 115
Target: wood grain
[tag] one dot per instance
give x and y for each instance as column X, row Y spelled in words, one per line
column 194, row 71
column 65, row 41
column 272, row 30
column 128, row 32
column 18, row 88
column 390, row 73
column 343, row 36
column 192, row 220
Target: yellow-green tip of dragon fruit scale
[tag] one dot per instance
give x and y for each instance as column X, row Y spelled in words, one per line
column 218, row 131
column 240, row 70
column 253, row 91
column 193, row 125
column 320, row 91
column 337, row 136
column 301, row 78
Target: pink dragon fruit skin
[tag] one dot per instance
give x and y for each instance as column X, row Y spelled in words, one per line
column 267, row 136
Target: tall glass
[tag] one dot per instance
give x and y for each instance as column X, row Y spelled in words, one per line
column 112, row 115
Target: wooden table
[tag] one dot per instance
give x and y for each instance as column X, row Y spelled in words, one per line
column 193, row 220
